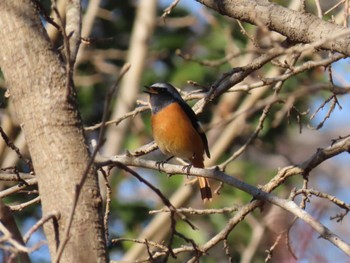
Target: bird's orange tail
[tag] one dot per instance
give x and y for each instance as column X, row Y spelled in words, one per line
column 204, row 185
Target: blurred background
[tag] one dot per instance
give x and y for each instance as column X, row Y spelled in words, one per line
column 191, row 48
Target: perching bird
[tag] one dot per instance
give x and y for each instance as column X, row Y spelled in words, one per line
column 177, row 131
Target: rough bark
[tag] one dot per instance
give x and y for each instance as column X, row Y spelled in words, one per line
column 46, row 110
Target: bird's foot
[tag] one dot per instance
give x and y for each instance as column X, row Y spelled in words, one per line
column 187, row 168
column 160, row 164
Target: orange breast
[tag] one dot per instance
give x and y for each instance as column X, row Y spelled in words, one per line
column 175, row 134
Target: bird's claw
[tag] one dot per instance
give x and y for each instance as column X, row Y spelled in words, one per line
column 187, row 168
column 160, row 164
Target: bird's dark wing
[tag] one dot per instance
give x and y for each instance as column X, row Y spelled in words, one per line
column 194, row 120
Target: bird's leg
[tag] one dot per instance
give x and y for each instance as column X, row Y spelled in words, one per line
column 187, row 168
column 160, row 164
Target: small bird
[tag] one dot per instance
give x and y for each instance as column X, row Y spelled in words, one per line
column 176, row 129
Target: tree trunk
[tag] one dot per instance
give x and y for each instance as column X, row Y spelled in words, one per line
column 47, row 113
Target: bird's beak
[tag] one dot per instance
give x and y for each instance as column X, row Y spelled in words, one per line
column 150, row 90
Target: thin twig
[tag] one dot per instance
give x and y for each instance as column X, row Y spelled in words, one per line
column 334, row 7
column 271, row 249
column 108, row 201
column 10, row 144
column 53, row 215
column 21, row 206
column 117, row 121
column 169, row 9
column 192, row 211
column 17, row 188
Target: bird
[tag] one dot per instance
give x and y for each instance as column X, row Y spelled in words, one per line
column 177, row 131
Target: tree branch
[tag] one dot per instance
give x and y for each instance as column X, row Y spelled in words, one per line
column 262, row 195
column 297, row 26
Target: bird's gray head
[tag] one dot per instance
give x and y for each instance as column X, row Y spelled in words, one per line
column 163, row 89
column 162, row 94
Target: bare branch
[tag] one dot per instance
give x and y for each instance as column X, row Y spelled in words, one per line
column 53, row 215
column 12, row 234
column 17, row 188
column 297, row 26
column 21, row 206
column 192, row 211
column 169, row 9
column 320, row 156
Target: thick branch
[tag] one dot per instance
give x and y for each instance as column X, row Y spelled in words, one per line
column 296, row 26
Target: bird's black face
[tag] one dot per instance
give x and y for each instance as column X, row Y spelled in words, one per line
column 161, row 95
